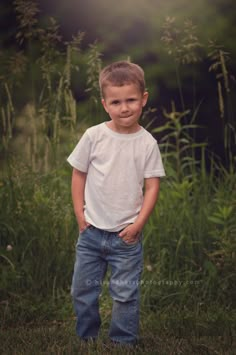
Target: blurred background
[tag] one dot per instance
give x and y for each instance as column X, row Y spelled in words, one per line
column 178, row 44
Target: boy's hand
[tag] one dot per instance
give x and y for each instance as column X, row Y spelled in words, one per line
column 83, row 224
column 130, row 234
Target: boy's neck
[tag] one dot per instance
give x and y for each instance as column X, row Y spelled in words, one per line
column 123, row 130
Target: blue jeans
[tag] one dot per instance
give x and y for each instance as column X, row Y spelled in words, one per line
column 97, row 249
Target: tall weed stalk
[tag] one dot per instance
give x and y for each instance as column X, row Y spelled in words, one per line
column 50, row 115
column 185, row 47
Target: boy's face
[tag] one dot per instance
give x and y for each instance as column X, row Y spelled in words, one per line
column 124, row 105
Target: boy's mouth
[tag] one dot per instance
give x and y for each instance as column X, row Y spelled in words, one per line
column 126, row 116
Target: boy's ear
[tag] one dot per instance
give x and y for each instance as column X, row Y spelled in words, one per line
column 104, row 105
column 145, row 98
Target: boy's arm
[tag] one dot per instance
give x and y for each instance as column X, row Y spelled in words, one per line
column 77, row 190
column 152, row 185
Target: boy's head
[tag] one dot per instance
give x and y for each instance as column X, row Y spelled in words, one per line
column 121, row 73
column 122, row 86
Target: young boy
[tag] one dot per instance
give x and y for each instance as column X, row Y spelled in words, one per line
column 112, row 163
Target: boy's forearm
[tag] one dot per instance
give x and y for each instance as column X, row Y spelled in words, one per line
column 152, row 187
column 130, row 233
column 77, row 190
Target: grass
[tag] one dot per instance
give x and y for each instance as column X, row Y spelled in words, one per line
column 155, row 338
column 188, row 279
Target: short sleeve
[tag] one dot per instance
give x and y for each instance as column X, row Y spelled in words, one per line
column 154, row 166
column 80, row 156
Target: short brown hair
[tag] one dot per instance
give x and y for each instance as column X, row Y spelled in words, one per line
column 121, row 73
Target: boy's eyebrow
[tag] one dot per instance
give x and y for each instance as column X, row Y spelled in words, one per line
column 115, row 100
column 128, row 98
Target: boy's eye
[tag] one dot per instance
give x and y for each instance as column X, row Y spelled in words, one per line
column 117, row 102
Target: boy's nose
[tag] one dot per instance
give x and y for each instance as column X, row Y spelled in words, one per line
column 124, row 107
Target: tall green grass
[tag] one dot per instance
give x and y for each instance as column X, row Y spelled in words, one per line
column 189, row 245
column 36, row 242
column 190, row 241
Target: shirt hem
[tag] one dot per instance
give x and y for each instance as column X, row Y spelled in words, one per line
column 154, row 174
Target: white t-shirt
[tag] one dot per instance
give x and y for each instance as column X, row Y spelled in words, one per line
column 116, row 166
